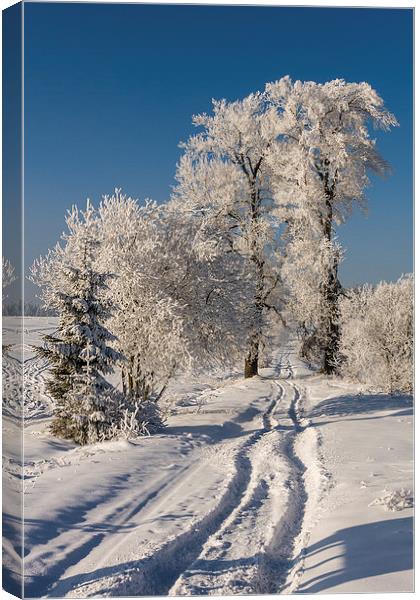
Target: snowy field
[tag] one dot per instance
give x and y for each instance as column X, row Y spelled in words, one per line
column 287, row 482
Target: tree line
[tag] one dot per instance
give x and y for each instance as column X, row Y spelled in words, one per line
column 247, row 237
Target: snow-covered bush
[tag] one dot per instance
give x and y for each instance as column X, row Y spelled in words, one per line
column 395, row 500
column 138, row 417
column 377, row 335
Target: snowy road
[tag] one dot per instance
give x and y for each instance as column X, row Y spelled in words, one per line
column 213, row 518
column 245, row 479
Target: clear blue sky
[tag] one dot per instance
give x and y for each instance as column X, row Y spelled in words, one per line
column 110, row 91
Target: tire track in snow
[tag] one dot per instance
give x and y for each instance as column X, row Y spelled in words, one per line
column 156, row 573
column 316, row 481
column 278, row 559
column 218, row 570
column 86, row 544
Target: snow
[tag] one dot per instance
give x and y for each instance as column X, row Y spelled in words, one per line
column 255, row 486
column 356, row 545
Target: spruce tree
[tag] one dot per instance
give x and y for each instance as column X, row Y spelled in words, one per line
column 79, row 352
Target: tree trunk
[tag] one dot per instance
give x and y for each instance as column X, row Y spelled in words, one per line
column 130, row 380
column 257, row 258
column 124, row 382
column 332, row 323
column 331, row 328
column 251, row 360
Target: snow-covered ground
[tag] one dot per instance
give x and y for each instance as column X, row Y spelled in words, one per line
column 281, row 483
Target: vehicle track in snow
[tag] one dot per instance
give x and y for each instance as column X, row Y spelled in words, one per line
column 219, row 568
column 279, row 556
column 155, row 573
column 246, row 543
column 267, row 521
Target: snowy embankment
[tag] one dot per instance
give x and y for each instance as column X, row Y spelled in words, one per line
column 256, row 486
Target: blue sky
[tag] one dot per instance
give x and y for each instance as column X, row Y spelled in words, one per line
column 110, row 91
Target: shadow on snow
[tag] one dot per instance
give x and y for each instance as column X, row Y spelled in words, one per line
column 367, row 551
column 348, row 405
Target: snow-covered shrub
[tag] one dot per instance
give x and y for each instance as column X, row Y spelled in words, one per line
column 395, row 500
column 377, row 335
column 133, row 418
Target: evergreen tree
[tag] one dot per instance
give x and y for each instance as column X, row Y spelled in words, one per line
column 79, row 352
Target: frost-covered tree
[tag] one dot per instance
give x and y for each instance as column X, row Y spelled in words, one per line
column 323, row 159
column 145, row 321
column 377, row 335
column 309, row 257
column 79, row 352
column 208, row 284
column 7, row 274
column 175, row 302
column 226, row 179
